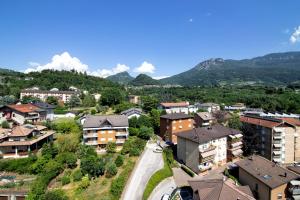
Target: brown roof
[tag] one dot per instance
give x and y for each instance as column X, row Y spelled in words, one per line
column 28, row 142
column 270, row 123
column 24, row 108
column 217, row 189
column 174, row 116
column 266, row 171
column 294, row 121
column 295, row 169
column 178, row 104
column 205, row 115
column 25, row 130
column 205, row 134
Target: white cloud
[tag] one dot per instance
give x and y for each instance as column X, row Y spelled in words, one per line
column 108, row 72
column 295, row 37
column 145, row 67
column 159, row 77
column 66, row 62
column 191, row 20
column 60, row 62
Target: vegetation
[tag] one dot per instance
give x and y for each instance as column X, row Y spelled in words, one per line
column 144, row 79
column 5, row 124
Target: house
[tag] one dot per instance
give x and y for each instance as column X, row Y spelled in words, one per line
column 179, row 107
column 20, row 113
column 44, row 94
column 174, row 123
column 219, row 189
column 267, row 180
column 209, row 107
column 205, row 148
column 132, row 112
column 134, row 99
column 236, row 107
column 275, row 139
column 204, row 119
column 99, row 130
column 48, row 108
column 21, row 140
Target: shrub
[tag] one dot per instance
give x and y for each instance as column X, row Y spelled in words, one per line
column 93, row 112
column 92, row 166
column 111, row 147
column 119, row 161
column 145, row 132
column 111, row 170
column 77, row 175
column 5, row 124
column 65, row 180
column 49, row 151
column 68, row 159
column 85, row 151
column 39, row 165
column 85, row 182
column 134, row 152
column 21, row 165
column 133, row 131
column 56, row 195
column 68, row 142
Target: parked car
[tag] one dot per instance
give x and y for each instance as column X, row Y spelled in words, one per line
column 165, row 197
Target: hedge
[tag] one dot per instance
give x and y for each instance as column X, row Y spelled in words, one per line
column 157, row 177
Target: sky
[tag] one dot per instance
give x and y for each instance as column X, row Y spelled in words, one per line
column 157, row 37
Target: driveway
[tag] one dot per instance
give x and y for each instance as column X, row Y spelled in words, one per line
column 165, row 187
column 148, row 164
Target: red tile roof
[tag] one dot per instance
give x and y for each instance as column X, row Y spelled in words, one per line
column 24, row 108
column 293, row 121
column 260, row 122
column 171, row 104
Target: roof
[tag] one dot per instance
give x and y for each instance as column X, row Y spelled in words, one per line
column 208, row 104
column 24, row 108
column 295, row 169
column 173, row 104
column 270, row 123
column 174, row 116
column 97, row 121
column 24, row 130
column 217, row 189
column 204, row 134
column 44, row 105
column 49, row 92
column 27, row 142
column 266, row 171
column 205, row 115
column 293, row 121
column 132, row 111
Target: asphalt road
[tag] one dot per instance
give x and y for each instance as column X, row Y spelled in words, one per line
column 165, row 187
column 148, row 164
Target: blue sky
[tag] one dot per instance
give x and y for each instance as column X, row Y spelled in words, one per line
column 158, row 37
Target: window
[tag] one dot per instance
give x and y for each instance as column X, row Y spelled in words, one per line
column 180, row 127
column 190, row 125
column 102, row 139
column 110, row 139
column 279, row 196
column 256, row 186
column 174, row 128
column 110, row 131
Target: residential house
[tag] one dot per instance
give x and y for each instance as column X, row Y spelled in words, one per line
column 21, row 140
column 267, row 180
column 179, row 107
column 132, row 112
column 174, row 123
column 44, row 94
column 204, row 119
column 219, row 189
column 209, row 107
column 20, row 113
column 277, row 140
column 99, row 130
column 48, row 108
column 134, row 99
column 205, row 148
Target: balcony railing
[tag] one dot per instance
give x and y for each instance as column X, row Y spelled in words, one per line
column 90, row 135
column 120, row 141
column 122, row 134
column 91, row 143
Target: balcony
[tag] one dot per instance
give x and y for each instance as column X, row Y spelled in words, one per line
column 205, row 167
column 122, row 134
column 91, row 143
column 236, row 144
column 277, row 152
column 277, row 159
column 237, row 152
column 294, row 188
column 277, row 136
column 90, row 135
column 120, row 141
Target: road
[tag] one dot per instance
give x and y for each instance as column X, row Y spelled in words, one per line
column 148, row 164
column 165, row 187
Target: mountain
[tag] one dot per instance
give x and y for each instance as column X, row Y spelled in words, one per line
column 144, row 79
column 121, row 78
column 271, row 69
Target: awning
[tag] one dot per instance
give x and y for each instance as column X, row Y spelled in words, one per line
column 208, row 153
column 237, row 152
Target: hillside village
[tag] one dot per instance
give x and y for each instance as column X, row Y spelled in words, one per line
column 75, row 145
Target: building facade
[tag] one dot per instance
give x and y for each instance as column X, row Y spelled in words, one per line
column 209, row 107
column 204, row 119
column 44, row 94
column 179, row 107
column 98, row 131
column 174, row 123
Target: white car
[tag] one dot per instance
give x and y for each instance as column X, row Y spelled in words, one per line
column 165, row 197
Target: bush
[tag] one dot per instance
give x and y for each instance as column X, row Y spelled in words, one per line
column 119, row 161
column 5, row 124
column 111, row 147
column 85, row 182
column 145, row 132
column 68, row 142
column 93, row 112
column 133, row 131
column 133, row 143
column 92, row 166
column 85, row 151
column 49, row 151
column 68, row 159
column 77, row 175
column 21, row 165
column 134, row 152
column 56, row 195
column 111, row 170
column 65, row 180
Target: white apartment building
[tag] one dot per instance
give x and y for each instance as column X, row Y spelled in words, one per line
column 43, row 94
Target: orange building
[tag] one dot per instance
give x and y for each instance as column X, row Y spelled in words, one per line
column 174, row 123
column 99, row 130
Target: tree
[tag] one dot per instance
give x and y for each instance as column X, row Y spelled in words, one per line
column 123, row 106
column 56, row 194
column 149, row 103
column 85, row 182
column 89, row 101
column 133, row 122
column 119, row 160
column 7, row 99
column 111, row 170
column 111, row 96
column 111, row 147
column 74, row 101
column 92, row 166
column 145, row 133
column 66, row 126
column 84, row 151
column 77, row 175
column 52, row 100
column 235, row 122
column 155, row 119
column 93, row 112
column 68, row 159
column 30, row 99
column 5, row 124
column 68, row 142
column 144, row 120
column 49, row 151
column 133, row 131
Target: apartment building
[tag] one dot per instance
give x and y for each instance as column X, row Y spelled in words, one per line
column 20, row 113
column 134, row 99
column 179, row 107
column 99, row 130
column 46, row 107
column 204, row 119
column 205, row 148
column 132, row 112
column 267, row 180
column 209, row 107
column 44, row 94
column 21, row 140
column 174, row 123
column 277, row 140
